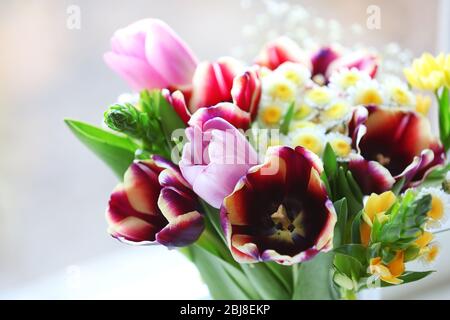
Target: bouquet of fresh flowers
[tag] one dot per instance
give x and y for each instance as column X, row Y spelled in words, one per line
column 302, row 176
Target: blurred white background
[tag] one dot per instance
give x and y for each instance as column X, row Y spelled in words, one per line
column 53, row 191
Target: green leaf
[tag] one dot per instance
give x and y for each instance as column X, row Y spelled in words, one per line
column 284, row 128
column 355, row 231
column 354, row 205
column 267, row 283
column 350, row 266
column 223, row 281
column 444, row 117
column 169, row 118
column 398, row 186
column 330, row 162
column 314, row 279
column 116, row 151
column 356, row 251
column 409, row 276
column 340, row 228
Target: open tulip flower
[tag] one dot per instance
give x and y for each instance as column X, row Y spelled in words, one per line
column 303, row 176
column 399, row 140
column 154, row 204
column 280, row 211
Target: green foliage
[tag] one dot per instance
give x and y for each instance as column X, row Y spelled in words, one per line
column 116, row 151
column 284, row 128
column 444, row 117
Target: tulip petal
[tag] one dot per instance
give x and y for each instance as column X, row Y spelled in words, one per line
column 361, row 60
column 282, row 50
column 182, row 231
column 371, row 176
column 282, row 215
column 176, row 99
column 228, row 111
column 246, row 91
column 166, row 52
column 212, row 82
column 322, row 59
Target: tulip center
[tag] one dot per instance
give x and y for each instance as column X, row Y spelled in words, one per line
column 285, row 224
column 383, row 160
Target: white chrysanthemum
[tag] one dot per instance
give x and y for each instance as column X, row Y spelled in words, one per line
column 440, row 207
column 278, row 88
column 399, row 93
column 338, row 111
column 367, row 93
column 313, row 139
column 304, row 111
column 345, row 78
column 298, row 74
column 271, row 113
column 341, row 144
column 319, row 96
column 302, row 124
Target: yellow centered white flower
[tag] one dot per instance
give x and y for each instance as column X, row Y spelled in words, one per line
column 319, row 96
column 296, row 73
column 304, row 111
column 312, row 139
column 367, row 93
column 342, row 145
column 271, row 114
column 337, row 110
column 399, row 93
column 345, row 78
column 302, row 124
column 440, row 207
column 278, row 88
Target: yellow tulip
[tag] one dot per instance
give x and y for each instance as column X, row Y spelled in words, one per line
column 427, row 72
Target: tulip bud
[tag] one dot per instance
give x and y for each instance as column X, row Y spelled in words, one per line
column 246, row 91
column 124, row 118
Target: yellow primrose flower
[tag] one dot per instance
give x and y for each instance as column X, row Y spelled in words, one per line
column 446, row 70
column 319, row 96
column 426, row 73
column 423, row 104
column 424, row 239
column 430, row 253
column 271, row 114
column 375, row 206
column 388, row 273
column 342, row 145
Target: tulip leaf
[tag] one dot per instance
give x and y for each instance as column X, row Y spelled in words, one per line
column 342, row 215
column 355, row 230
column 356, row 251
column 284, row 128
column 168, row 117
column 330, row 162
column 116, row 151
column 224, row 282
column 314, row 279
column 266, row 281
column 444, row 117
column 409, row 276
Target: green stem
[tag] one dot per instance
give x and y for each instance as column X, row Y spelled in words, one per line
column 348, row 294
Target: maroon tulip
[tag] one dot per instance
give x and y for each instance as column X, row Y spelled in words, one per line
column 399, row 140
column 154, row 204
column 280, row 210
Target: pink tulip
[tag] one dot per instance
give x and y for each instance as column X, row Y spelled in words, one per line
column 215, row 158
column 148, row 54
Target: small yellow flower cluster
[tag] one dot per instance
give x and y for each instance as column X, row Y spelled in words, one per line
column 427, row 249
column 429, row 72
